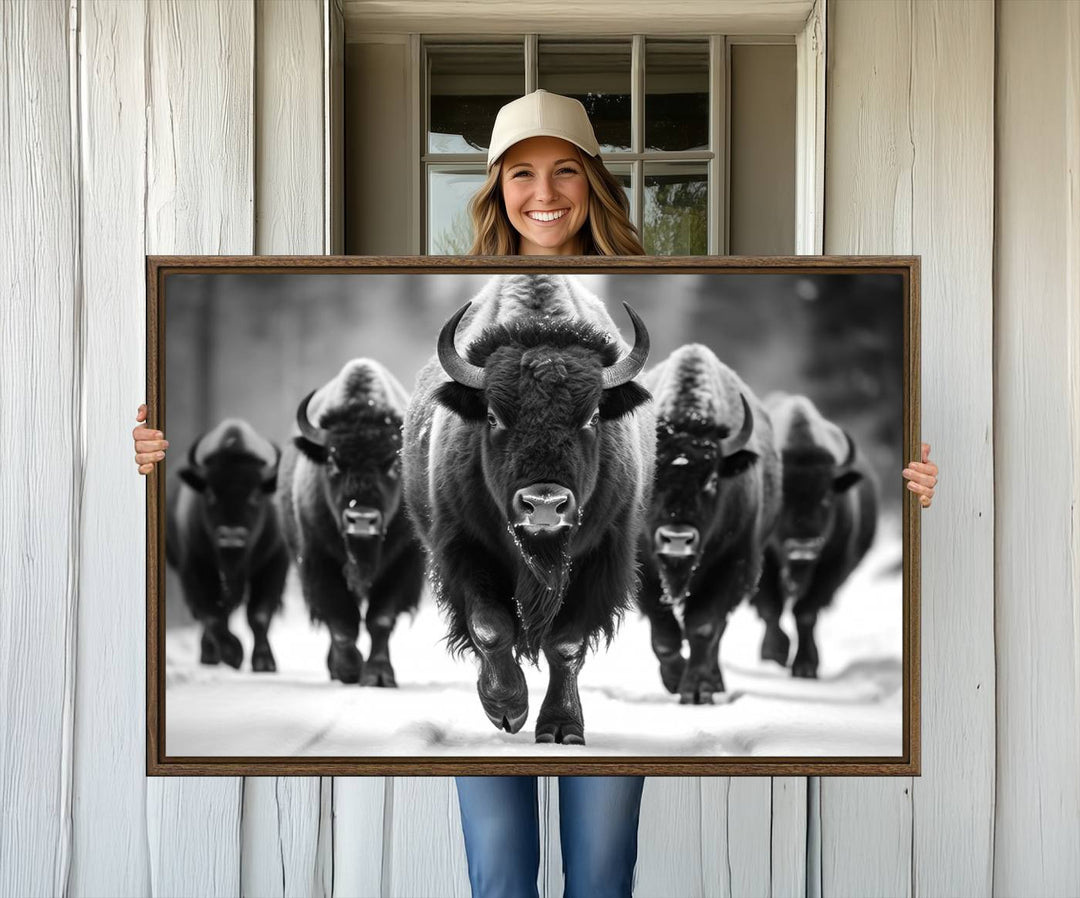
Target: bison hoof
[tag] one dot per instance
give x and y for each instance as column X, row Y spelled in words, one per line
column 208, row 650
column 378, row 673
column 345, row 663
column 775, row 647
column 504, row 694
column 232, row 652
column 262, row 660
column 671, row 673
column 804, row 668
column 698, row 690
column 508, row 722
column 561, row 734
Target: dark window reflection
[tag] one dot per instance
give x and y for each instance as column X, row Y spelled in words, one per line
column 676, row 95
column 466, row 87
column 597, row 74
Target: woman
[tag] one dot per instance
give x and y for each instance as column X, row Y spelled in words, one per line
column 548, row 193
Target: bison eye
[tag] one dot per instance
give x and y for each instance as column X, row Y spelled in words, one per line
column 493, row 422
column 595, row 419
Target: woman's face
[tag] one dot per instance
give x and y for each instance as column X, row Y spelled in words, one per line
column 546, row 195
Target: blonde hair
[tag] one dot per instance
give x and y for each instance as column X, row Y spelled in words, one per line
column 607, row 231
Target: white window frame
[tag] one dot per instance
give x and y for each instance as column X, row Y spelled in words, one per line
column 809, row 40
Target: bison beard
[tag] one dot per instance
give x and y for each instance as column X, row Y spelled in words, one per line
column 361, row 562
column 540, row 587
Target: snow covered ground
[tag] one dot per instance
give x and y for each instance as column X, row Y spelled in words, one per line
column 853, row 709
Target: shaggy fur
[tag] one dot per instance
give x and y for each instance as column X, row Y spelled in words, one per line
column 233, row 464
column 543, row 342
column 733, row 502
column 361, row 415
column 834, row 512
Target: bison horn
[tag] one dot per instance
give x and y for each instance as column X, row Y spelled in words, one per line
column 732, row 444
column 630, row 365
column 465, row 373
column 850, row 460
column 192, row 462
column 271, row 470
column 312, row 433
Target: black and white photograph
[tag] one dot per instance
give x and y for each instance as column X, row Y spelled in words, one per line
column 487, row 515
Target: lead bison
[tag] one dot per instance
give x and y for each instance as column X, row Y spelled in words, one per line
column 827, row 525
column 224, row 540
column 716, row 498
column 340, row 497
column 527, row 471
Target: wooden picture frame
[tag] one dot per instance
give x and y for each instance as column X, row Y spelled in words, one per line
column 532, row 758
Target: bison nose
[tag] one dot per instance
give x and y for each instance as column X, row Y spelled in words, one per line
column 805, row 549
column 546, row 506
column 231, row 537
column 677, row 540
column 362, row 521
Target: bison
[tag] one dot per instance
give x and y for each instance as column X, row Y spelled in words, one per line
column 716, row 498
column 224, row 539
column 826, row 527
column 340, row 498
column 528, row 463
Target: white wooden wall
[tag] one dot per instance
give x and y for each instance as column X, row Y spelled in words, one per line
column 190, row 126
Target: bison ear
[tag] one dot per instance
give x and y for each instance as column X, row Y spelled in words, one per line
column 846, row 481
column 621, row 400
column 466, row 402
column 312, row 450
column 735, row 464
column 192, row 479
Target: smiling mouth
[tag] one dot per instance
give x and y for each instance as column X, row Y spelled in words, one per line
column 554, row 215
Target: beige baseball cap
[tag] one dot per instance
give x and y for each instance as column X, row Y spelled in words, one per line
column 541, row 114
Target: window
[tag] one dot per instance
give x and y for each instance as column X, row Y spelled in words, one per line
column 655, row 104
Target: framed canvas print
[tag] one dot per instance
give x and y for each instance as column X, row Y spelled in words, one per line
column 548, row 515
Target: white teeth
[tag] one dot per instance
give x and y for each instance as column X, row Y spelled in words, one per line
column 546, row 216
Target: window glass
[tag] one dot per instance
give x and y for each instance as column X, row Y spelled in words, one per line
column 676, row 209
column 676, row 95
column 597, row 74
column 467, row 84
column 449, row 190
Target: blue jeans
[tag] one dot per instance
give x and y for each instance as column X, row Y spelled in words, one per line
column 598, row 821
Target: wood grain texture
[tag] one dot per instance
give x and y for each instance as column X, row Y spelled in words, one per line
column 109, row 812
column 193, row 830
column 788, row 837
column 283, row 815
column 1037, row 607
column 553, row 17
column 289, row 129
column 40, row 333
column 424, row 852
column 280, row 838
column 199, row 196
column 736, row 821
column 363, row 806
column 952, row 129
column 869, row 157
column 670, row 843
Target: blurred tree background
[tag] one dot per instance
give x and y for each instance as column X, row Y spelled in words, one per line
column 253, row 346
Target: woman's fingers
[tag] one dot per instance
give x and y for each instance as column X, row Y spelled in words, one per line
column 918, row 477
column 145, row 469
column 146, row 458
column 140, row 415
column 151, row 445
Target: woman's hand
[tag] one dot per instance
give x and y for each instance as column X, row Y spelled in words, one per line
column 922, row 477
column 149, row 444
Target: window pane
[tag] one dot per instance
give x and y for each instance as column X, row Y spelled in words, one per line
column 597, row 74
column 676, row 209
column 466, row 87
column 623, row 175
column 449, row 191
column 676, row 95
